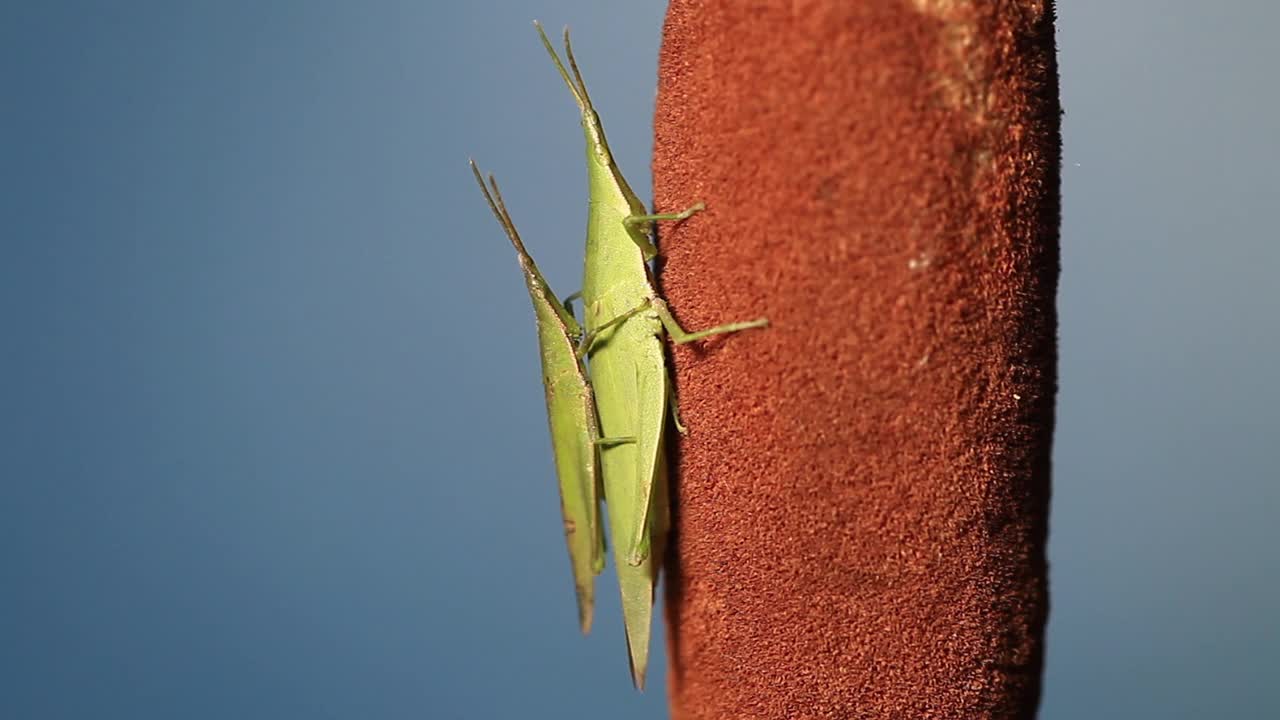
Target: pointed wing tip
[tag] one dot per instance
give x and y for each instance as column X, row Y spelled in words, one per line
column 586, row 607
column 638, row 662
column 637, row 675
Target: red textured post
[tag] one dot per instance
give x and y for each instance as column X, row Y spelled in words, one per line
column 860, row 508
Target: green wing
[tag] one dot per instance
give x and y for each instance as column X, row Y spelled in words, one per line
column 571, row 415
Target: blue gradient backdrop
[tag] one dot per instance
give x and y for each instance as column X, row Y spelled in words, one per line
column 271, row 435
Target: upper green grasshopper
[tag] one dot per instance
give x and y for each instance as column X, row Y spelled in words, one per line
column 571, row 413
column 625, row 321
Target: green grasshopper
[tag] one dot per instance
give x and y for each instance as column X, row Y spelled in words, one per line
column 571, row 413
column 625, row 321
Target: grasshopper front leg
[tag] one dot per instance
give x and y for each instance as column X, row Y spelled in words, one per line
column 638, row 227
column 589, row 338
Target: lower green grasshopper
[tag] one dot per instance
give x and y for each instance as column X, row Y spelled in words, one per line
column 571, row 414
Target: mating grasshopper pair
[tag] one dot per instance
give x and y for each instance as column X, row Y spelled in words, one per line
column 607, row 382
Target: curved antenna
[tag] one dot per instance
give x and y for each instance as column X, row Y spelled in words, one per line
column 498, row 207
column 577, row 74
column 576, row 87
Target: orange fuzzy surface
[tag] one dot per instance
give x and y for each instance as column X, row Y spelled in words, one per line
column 861, row 503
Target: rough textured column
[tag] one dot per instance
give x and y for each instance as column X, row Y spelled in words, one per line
column 861, row 503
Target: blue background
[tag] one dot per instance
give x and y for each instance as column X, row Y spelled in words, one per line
column 271, row 438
